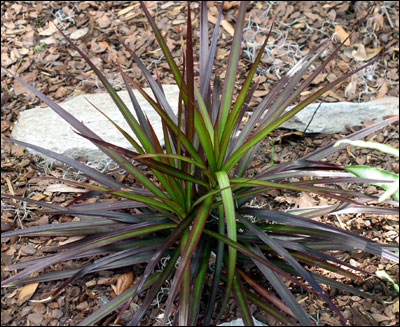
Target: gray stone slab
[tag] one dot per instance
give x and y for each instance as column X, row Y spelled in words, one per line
column 334, row 116
column 239, row 322
column 43, row 127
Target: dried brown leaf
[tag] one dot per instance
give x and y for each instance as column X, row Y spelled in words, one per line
column 104, row 21
column 305, row 201
column 228, row 27
column 379, row 317
column 230, row 4
column 38, row 197
column 363, row 54
column 124, row 281
column 383, row 90
column 320, row 78
column 351, row 89
column 49, row 31
column 26, row 292
column 342, row 34
column 76, row 35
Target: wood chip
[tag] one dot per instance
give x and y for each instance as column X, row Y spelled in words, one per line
column 342, row 34
column 78, row 34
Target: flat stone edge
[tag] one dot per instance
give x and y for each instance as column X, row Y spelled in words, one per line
column 389, row 104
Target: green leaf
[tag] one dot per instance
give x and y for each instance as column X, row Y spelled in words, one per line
column 168, row 269
column 392, row 191
column 192, row 241
column 386, row 148
column 232, row 69
column 204, row 113
column 264, row 130
column 102, row 239
column 365, row 171
column 230, row 218
column 199, row 282
column 234, row 115
column 384, row 274
column 241, row 301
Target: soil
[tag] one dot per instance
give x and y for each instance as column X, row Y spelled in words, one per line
column 32, row 48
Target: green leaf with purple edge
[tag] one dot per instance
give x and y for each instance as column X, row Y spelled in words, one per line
column 193, row 239
column 290, row 260
column 108, row 238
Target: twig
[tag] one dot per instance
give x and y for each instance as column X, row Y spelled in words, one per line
column 387, row 16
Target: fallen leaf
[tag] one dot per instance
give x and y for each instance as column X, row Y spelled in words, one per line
column 26, row 292
column 378, row 22
column 49, row 31
column 71, row 239
column 127, row 9
column 230, row 4
column 305, row 201
column 383, row 90
column 387, row 99
column 225, row 24
column 320, row 78
column 363, row 54
column 379, row 317
column 396, row 307
column 358, row 318
column 351, row 89
column 38, row 197
column 124, row 281
column 342, row 34
column 104, row 21
column 228, row 27
column 76, row 35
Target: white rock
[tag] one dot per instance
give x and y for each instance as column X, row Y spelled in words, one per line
column 334, row 116
column 239, row 322
column 43, row 127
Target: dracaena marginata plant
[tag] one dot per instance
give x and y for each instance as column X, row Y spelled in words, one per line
column 194, row 215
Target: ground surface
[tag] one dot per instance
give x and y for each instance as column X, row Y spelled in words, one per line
column 33, row 49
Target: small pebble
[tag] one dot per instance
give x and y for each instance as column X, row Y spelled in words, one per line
column 103, row 301
column 57, row 314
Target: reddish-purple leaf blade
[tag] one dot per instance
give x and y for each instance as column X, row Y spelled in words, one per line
column 291, row 261
column 329, row 149
column 102, row 240
column 332, row 232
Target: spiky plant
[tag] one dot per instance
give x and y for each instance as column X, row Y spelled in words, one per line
column 196, row 212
